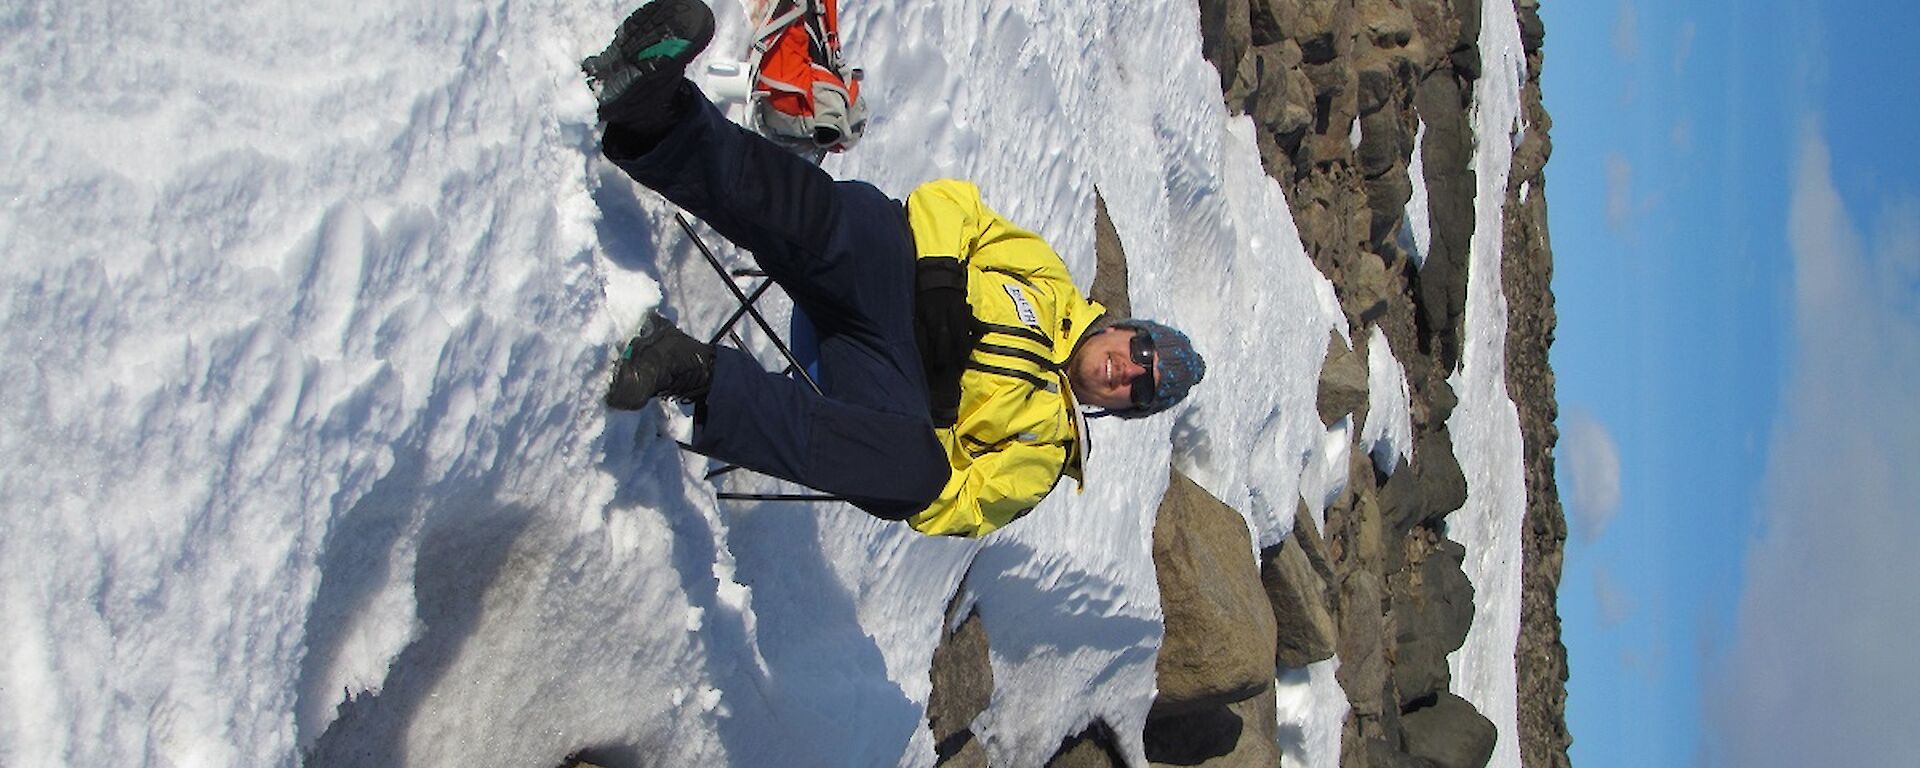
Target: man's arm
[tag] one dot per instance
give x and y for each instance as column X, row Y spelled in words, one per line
column 997, row 489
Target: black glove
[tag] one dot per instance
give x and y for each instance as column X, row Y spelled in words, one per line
column 946, row 331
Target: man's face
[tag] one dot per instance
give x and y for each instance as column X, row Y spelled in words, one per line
column 1103, row 370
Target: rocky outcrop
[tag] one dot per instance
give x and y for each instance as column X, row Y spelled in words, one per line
column 1526, row 274
column 1343, row 94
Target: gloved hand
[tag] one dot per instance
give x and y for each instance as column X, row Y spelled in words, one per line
column 946, row 331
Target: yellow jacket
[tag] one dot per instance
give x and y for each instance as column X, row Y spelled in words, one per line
column 1019, row 429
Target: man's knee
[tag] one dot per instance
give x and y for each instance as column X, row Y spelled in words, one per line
column 916, row 485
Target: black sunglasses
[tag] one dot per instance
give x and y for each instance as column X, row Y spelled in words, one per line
column 1141, row 350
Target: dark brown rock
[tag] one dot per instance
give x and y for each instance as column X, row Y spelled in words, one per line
column 1449, row 733
column 1343, row 382
column 962, row 687
column 1433, row 609
column 1225, row 35
column 1219, row 644
column 1363, row 641
column 1110, row 263
column 1304, row 628
column 1091, row 748
column 1243, row 734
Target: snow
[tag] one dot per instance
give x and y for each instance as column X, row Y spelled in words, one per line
column 1485, row 425
column 1388, row 433
column 1416, row 231
column 310, row 306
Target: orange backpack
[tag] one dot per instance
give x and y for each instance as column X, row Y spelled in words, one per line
column 804, row 93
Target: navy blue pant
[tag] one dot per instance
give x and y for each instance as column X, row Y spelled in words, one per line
column 845, row 254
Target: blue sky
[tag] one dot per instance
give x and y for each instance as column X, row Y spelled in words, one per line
column 1733, row 210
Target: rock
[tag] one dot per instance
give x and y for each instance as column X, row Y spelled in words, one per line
column 1433, row 609
column 1363, row 642
column 1110, row 263
column 1264, row 21
column 1442, row 486
column 1387, row 197
column 1243, row 734
column 962, row 686
column 1343, row 382
column 1434, row 487
column 1219, row 644
column 1374, row 86
column 1533, row 34
column 1091, row 748
column 1225, row 34
column 1379, row 753
column 1449, row 733
column 1440, row 402
column 1384, row 145
column 1387, row 23
column 1307, row 535
column 1304, row 627
column 1447, row 153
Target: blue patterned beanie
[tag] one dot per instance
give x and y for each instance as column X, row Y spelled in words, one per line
column 1178, row 367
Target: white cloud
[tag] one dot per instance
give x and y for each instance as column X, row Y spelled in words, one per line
column 1619, row 193
column 1681, row 135
column 1615, row 606
column 1820, row 669
column 1683, row 50
column 1626, row 35
column 1590, row 465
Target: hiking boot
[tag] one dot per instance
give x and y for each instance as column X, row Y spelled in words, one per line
column 660, row 361
column 636, row 76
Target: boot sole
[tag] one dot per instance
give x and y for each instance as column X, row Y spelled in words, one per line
column 648, row 26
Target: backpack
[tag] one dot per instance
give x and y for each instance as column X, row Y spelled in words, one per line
column 804, row 94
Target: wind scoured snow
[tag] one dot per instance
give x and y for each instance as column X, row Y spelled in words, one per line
column 1486, row 425
column 304, row 459
column 1416, row 231
column 1387, row 435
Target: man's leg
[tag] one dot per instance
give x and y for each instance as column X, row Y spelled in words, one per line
column 844, row 252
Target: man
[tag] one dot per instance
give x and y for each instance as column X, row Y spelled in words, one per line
column 954, row 349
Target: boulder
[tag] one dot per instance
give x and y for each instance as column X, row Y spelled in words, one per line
column 1533, row 34
column 1432, row 609
column 1219, row 644
column 962, row 686
column 1110, row 263
column 1447, row 155
column 1430, row 489
column 1449, row 733
column 1385, row 23
column 1265, row 20
column 1243, row 734
column 1442, row 486
column 1363, row 642
column 1324, row 28
column 1343, row 382
column 1225, row 34
column 1091, row 748
column 1379, row 753
column 1304, row 627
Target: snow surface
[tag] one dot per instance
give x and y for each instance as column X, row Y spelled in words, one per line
column 310, row 306
column 1416, row 231
column 1387, row 435
column 1486, row 425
